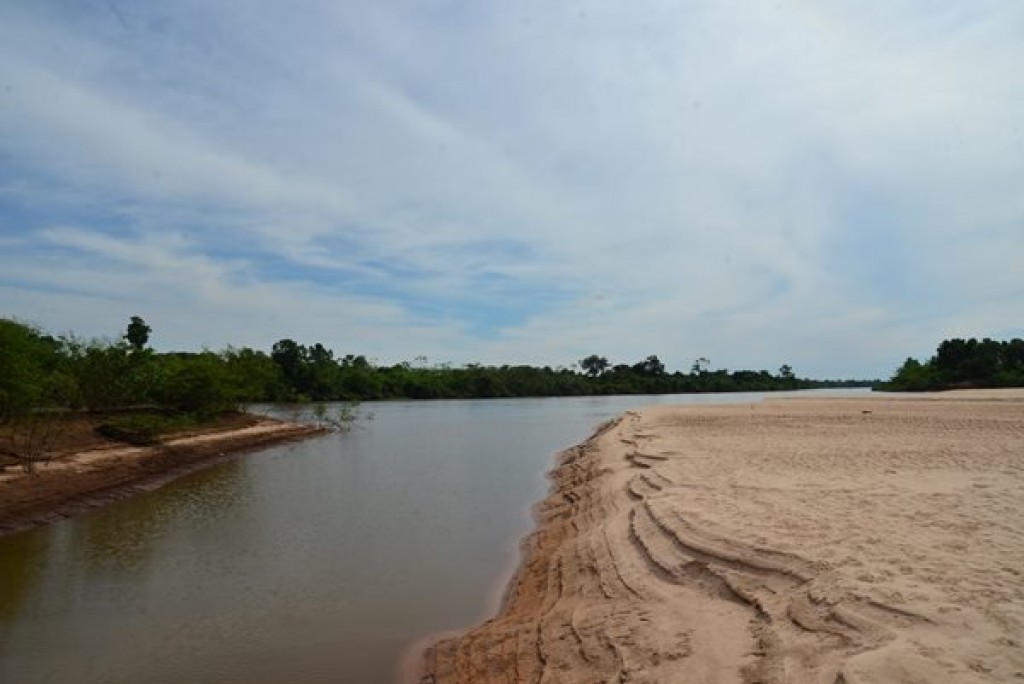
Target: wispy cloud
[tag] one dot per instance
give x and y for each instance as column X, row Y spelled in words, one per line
column 831, row 187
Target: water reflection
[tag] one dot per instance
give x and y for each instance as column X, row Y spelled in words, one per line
column 22, row 563
column 113, row 544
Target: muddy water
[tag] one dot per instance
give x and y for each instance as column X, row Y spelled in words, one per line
column 311, row 563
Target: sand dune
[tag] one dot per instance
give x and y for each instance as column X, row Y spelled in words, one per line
column 836, row 541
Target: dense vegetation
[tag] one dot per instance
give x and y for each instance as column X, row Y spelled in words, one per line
column 152, row 392
column 960, row 363
column 39, row 371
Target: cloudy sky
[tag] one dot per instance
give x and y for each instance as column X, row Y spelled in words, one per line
column 834, row 185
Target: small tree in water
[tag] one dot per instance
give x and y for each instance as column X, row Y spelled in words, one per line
column 342, row 420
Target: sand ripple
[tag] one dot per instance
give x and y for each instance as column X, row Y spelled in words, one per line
column 837, row 541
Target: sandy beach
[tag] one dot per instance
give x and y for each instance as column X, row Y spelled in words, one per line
column 838, row 541
column 105, row 471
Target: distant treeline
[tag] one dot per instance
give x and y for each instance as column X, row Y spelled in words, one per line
column 960, row 363
column 39, row 371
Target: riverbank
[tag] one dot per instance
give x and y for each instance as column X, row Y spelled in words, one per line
column 846, row 540
column 101, row 471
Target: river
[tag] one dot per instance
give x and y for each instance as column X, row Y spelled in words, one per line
column 311, row 563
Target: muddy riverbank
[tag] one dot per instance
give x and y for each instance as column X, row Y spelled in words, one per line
column 103, row 471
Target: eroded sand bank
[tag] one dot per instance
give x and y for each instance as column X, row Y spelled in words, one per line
column 834, row 541
column 85, row 479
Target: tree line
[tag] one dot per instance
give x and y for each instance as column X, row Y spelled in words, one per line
column 959, row 364
column 41, row 371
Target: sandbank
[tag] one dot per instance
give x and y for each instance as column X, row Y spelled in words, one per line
column 838, row 541
column 79, row 480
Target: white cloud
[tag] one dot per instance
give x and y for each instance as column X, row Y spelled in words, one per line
column 92, row 283
column 758, row 183
column 99, row 143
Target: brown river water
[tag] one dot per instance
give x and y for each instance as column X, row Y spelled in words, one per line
column 312, row 563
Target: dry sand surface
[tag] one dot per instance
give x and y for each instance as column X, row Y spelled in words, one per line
column 833, row 541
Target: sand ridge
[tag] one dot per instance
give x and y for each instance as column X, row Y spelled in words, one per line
column 833, row 541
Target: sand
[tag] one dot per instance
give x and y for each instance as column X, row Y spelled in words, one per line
column 830, row 541
column 80, row 480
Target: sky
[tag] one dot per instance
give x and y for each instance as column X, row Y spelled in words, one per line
column 830, row 185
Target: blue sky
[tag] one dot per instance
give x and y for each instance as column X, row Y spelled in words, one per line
column 831, row 185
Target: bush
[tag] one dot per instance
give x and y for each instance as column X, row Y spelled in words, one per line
column 197, row 385
column 141, row 429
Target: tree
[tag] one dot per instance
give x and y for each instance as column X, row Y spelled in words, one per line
column 254, row 375
column 342, row 420
column 912, row 376
column 21, row 376
column 35, row 370
column 198, row 385
column 787, row 377
column 137, row 334
column 651, row 366
column 292, row 357
column 965, row 363
column 105, row 375
column 594, row 365
column 28, row 361
column 322, row 371
column 27, row 438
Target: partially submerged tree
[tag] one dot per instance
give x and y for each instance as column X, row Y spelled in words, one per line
column 343, row 419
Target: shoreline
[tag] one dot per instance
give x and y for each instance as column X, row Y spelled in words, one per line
column 810, row 540
column 418, row 661
column 91, row 478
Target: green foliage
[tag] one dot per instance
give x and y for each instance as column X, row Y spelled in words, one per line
column 20, row 369
column 594, row 365
column 141, row 429
column 37, row 371
column 111, row 375
column 960, row 363
column 342, row 420
column 651, row 367
column 137, row 334
column 196, row 384
column 31, row 380
column 318, row 375
column 786, row 376
column 32, row 374
column 254, row 376
column 913, row 376
column 291, row 358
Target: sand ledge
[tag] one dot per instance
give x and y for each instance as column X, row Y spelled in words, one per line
column 90, row 478
column 853, row 540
